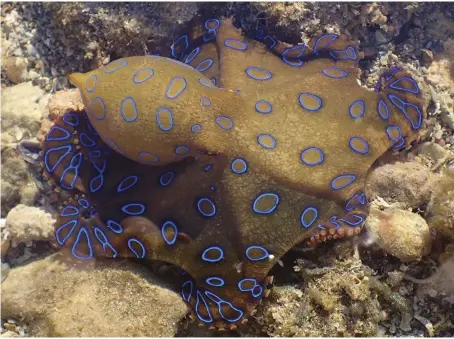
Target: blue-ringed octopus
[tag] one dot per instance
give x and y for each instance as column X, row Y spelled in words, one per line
column 223, row 155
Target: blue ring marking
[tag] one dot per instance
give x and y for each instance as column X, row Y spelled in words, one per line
column 69, row 211
column 250, row 289
column 351, row 177
column 252, row 68
column 166, row 178
column 103, row 108
column 196, row 128
column 320, row 152
column 230, row 44
column 259, row 140
column 399, row 143
column 269, row 110
column 294, row 63
column 73, row 116
column 212, row 20
column 102, row 238
column 259, row 34
column 83, row 203
column 185, row 38
column 123, row 186
column 348, row 54
column 391, row 72
column 135, row 241
column 355, row 200
column 93, row 213
column 213, row 80
column 122, row 63
column 308, row 224
column 68, row 149
column 359, row 220
column 102, row 168
column 402, row 106
column 403, row 89
column 219, row 302
column 172, row 225
column 206, row 83
column 221, row 118
column 243, row 164
column 49, row 137
column 90, row 127
column 213, row 207
column 93, row 187
column 388, row 132
column 126, row 208
column 316, row 45
column 212, row 188
column 213, row 248
column 158, row 118
column 141, row 154
column 265, row 255
column 263, row 195
column 82, row 231
column 362, row 199
column 352, row 106
column 192, row 55
column 343, row 75
column 179, row 92
column 208, row 167
column 74, row 165
column 383, row 110
column 215, row 281
column 114, row 226
column 94, row 154
column 136, row 74
column 199, row 315
column 182, row 150
column 135, row 109
column 204, row 64
column 351, row 53
column 273, row 42
column 208, row 36
column 183, row 291
column 93, row 76
column 364, row 142
column 86, row 141
column 317, row 98
column 73, row 223
column 205, row 101
column 333, row 220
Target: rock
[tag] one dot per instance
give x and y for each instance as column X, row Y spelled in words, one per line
column 16, row 69
column 401, row 233
column 433, row 152
column 442, row 68
column 23, row 106
column 25, row 223
column 409, row 183
column 440, row 211
column 113, row 298
column 427, row 56
column 335, row 302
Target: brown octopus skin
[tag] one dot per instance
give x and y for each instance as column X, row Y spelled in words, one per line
column 274, row 155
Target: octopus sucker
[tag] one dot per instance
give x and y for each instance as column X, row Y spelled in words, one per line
column 221, row 156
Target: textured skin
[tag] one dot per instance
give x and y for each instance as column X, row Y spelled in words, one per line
column 304, row 184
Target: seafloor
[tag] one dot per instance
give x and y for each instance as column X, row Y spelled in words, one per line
column 395, row 279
